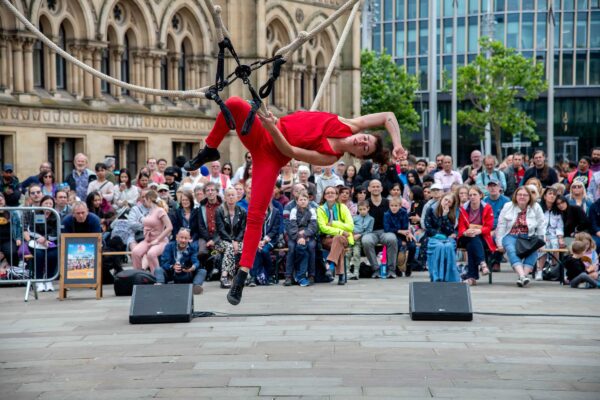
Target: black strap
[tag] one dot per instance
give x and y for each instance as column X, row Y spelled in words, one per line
column 256, row 102
column 266, row 89
column 213, row 94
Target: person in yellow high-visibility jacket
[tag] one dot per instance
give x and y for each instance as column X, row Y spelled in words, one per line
column 336, row 226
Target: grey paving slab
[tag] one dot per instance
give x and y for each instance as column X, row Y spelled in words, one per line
column 310, row 348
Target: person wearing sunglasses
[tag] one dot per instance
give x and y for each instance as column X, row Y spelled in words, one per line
column 48, row 182
column 578, row 196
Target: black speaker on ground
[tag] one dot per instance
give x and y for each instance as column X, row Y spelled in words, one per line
column 154, row 304
column 440, row 301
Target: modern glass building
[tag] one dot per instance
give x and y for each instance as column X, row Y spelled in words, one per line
column 401, row 28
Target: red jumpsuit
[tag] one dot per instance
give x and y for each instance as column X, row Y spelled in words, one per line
column 304, row 129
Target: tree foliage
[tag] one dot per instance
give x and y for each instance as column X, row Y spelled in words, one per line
column 385, row 86
column 493, row 86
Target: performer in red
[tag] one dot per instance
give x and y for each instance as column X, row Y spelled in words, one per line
column 317, row 138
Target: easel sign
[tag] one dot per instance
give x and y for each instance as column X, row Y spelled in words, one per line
column 80, row 262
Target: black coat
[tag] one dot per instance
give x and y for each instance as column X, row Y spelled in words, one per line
column 575, row 220
column 227, row 230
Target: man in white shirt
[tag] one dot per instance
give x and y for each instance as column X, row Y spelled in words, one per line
column 447, row 177
column 239, row 173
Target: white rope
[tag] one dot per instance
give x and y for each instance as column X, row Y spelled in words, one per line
column 221, row 34
column 335, row 56
column 96, row 73
column 304, row 36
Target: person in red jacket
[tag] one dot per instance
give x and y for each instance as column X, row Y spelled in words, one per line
column 475, row 224
column 317, row 138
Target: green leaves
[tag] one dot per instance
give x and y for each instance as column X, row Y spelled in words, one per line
column 493, row 87
column 386, row 86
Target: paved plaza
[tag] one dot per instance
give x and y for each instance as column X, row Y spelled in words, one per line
column 86, row 349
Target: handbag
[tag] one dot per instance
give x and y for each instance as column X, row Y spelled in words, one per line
column 529, row 245
column 139, row 236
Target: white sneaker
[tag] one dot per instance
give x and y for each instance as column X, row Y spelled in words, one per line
column 49, row 287
column 40, row 287
column 538, row 276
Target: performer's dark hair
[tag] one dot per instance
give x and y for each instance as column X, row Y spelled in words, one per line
column 378, row 154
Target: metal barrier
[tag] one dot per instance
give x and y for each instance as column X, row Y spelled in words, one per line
column 28, row 232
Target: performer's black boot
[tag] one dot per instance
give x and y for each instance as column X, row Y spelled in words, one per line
column 235, row 293
column 207, row 154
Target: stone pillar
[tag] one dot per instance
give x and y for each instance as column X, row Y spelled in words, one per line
column 51, row 71
column 205, row 78
column 97, row 86
column 3, row 62
column 136, row 78
column 308, row 93
column 28, row 65
column 117, row 53
column 291, row 89
column 88, row 85
column 334, row 92
column 75, row 73
column 173, row 60
column 297, row 82
column 80, row 74
column 157, row 76
column 149, row 66
column 17, row 52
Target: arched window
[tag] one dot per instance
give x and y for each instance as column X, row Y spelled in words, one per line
column 181, row 67
column 105, row 67
column 125, row 77
column 61, row 64
column 39, row 72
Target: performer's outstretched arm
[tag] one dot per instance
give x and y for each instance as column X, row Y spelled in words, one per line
column 386, row 119
column 300, row 154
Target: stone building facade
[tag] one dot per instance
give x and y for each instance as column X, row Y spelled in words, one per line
column 51, row 110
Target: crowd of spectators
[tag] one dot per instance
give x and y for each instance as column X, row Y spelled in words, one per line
column 340, row 221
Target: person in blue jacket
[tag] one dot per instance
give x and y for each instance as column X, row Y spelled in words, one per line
column 179, row 262
column 396, row 221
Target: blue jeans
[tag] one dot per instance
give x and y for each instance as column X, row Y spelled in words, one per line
column 40, row 263
column 296, row 258
column 263, row 262
column 476, row 254
column 197, row 277
column 509, row 242
column 441, row 259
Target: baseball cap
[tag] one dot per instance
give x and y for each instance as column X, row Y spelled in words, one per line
column 153, row 184
column 436, row 186
column 163, row 187
column 493, row 181
column 8, row 167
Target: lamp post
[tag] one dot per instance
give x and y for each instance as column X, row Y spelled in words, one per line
column 435, row 143
column 550, row 77
column 453, row 134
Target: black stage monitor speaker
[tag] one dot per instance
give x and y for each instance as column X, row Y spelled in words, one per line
column 440, row 301
column 152, row 304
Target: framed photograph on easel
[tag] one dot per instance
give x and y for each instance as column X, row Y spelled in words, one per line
column 80, row 262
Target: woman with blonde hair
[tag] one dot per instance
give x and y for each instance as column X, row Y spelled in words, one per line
column 157, row 228
column 578, row 196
